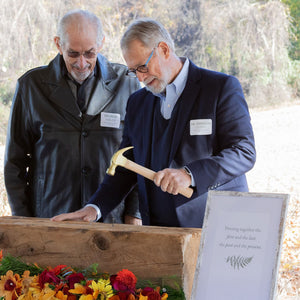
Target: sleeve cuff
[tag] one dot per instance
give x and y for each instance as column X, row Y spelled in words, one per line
column 97, row 210
column 188, row 171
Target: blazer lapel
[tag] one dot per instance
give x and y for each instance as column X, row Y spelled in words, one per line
column 187, row 100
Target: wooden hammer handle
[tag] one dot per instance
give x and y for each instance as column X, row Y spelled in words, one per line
column 130, row 165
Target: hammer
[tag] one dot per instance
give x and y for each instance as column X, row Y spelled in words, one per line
column 119, row 160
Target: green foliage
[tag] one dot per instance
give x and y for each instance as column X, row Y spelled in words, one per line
column 294, row 7
column 294, row 78
column 175, row 292
column 17, row 266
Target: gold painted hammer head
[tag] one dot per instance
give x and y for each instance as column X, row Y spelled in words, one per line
column 117, row 160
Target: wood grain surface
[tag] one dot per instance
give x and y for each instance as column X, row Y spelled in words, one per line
column 151, row 252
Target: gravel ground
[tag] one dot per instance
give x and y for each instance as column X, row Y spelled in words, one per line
column 276, row 171
column 278, row 147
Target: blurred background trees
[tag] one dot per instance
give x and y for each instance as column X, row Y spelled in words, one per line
column 256, row 41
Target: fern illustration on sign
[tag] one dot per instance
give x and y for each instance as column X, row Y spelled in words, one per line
column 238, row 262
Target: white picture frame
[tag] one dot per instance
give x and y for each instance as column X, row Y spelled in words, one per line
column 240, row 246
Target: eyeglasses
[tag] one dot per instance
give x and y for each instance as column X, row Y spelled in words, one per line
column 86, row 54
column 142, row 69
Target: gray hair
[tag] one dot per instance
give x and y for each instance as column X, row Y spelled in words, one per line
column 147, row 31
column 72, row 16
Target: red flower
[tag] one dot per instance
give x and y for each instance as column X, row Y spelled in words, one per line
column 48, row 276
column 74, row 278
column 9, row 285
column 58, row 269
column 154, row 296
column 147, row 290
column 151, row 293
column 124, row 295
column 125, row 280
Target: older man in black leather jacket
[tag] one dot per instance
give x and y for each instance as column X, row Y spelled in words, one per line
column 66, row 122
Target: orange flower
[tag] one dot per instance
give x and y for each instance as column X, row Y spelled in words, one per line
column 10, row 285
column 1, row 255
column 60, row 295
column 131, row 297
column 79, row 289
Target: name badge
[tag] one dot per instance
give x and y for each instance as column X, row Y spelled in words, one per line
column 111, row 120
column 201, row 127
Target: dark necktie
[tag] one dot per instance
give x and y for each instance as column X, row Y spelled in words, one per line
column 81, row 95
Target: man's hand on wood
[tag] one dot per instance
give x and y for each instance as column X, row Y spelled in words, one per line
column 87, row 214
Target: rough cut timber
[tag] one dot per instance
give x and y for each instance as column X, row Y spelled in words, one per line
column 151, row 252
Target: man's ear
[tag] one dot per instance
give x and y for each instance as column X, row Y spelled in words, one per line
column 57, row 43
column 164, row 48
column 101, row 45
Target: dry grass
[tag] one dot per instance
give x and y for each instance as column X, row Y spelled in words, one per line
column 276, row 171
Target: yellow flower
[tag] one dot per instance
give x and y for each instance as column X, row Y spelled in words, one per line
column 47, row 293
column 33, row 290
column 27, row 296
column 26, row 281
column 102, row 288
column 141, row 297
column 164, row 296
column 79, row 289
column 86, row 297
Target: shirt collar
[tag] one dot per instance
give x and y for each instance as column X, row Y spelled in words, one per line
column 180, row 80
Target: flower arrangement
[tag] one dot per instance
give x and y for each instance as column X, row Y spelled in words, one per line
column 21, row 281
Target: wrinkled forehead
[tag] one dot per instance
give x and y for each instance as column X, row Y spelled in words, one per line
column 82, row 29
column 79, row 40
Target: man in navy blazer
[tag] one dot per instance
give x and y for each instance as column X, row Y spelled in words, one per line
column 190, row 125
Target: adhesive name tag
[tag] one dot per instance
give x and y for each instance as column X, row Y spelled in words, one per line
column 111, row 120
column 201, row 127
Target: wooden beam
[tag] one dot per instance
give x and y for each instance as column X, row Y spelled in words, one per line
column 150, row 252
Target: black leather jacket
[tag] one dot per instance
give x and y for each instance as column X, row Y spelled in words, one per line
column 55, row 156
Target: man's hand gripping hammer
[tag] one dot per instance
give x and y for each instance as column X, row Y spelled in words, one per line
column 119, row 160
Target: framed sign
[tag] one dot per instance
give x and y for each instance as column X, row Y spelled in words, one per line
column 240, row 246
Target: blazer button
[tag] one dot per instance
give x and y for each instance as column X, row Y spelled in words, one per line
column 84, row 171
column 84, row 133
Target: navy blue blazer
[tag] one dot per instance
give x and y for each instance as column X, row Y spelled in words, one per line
column 217, row 161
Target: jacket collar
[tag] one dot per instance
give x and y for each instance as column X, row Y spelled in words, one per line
column 107, row 73
column 61, row 93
